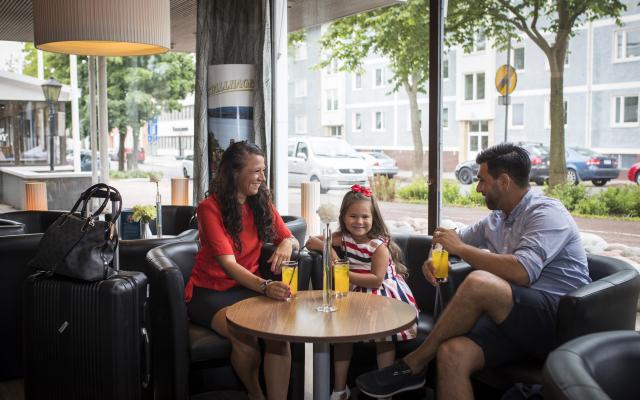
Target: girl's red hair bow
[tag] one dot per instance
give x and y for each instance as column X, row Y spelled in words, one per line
column 361, row 189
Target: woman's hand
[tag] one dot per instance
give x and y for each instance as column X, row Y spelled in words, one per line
column 428, row 270
column 281, row 253
column 278, row 290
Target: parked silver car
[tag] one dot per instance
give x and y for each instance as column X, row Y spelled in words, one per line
column 381, row 164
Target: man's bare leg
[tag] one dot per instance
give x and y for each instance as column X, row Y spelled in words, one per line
column 480, row 293
column 458, row 358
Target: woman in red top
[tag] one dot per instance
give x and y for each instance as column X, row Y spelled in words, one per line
column 234, row 222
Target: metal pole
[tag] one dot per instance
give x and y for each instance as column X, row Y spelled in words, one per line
column 52, row 131
column 506, row 97
column 92, row 121
column 103, row 119
column 436, row 34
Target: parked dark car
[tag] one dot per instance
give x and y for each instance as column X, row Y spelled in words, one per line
column 587, row 165
column 466, row 172
column 113, row 154
column 634, row 173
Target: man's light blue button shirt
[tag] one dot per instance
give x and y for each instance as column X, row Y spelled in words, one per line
column 543, row 236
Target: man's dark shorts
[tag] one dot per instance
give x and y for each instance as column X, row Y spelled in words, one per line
column 529, row 331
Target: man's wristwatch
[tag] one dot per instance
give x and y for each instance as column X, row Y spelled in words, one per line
column 264, row 284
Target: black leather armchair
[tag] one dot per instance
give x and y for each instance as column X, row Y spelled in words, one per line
column 297, row 226
column 608, row 303
column 598, row 366
column 34, row 221
column 187, row 357
column 8, row 227
column 133, row 252
column 176, row 219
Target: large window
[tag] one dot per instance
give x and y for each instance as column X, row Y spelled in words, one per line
column 480, row 43
column 627, row 45
column 332, row 100
column 625, row 111
column 518, row 58
column 378, row 121
column 474, row 86
column 517, row 115
column 378, row 77
column 357, row 122
column 357, row 81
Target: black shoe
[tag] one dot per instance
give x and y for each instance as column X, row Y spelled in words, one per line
column 389, row 381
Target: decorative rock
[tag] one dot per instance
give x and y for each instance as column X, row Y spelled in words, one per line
column 593, row 244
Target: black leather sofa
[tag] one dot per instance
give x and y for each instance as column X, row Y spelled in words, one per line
column 9, row 227
column 615, row 286
column 598, row 366
column 297, row 226
column 34, row 221
column 187, row 358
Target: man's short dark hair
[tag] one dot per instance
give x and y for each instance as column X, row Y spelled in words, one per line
column 509, row 159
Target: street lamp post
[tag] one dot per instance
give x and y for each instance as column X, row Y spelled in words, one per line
column 51, row 90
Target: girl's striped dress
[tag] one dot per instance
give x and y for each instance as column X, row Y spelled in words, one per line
column 393, row 285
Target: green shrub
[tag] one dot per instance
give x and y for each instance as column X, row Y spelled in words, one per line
column 474, row 197
column 450, row 192
column 591, row 206
column 569, row 195
column 623, row 201
column 416, row 190
column 136, row 173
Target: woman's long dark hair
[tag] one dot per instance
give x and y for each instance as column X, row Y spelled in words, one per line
column 225, row 188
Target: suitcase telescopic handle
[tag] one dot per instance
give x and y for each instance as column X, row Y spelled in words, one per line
column 146, row 374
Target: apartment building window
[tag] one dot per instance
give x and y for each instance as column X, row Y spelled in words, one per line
column 301, row 88
column 518, row 58
column 335, row 130
column 300, row 53
column 445, row 67
column 480, row 42
column 445, row 117
column 547, row 110
column 357, row 81
column 378, row 77
column 474, row 86
column 332, row 100
column 627, row 45
column 378, row 121
column 301, row 123
column 357, row 122
column 517, row 115
column 625, row 111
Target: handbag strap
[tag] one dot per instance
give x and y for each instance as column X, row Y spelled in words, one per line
column 114, row 195
column 86, row 195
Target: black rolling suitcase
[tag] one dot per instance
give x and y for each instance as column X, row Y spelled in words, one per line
column 86, row 339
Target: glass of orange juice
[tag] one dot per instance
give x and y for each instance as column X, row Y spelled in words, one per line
column 341, row 277
column 290, row 275
column 440, row 259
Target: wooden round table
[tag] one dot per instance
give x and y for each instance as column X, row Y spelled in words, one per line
column 359, row 317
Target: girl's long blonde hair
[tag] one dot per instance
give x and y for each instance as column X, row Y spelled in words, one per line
column 378, row 227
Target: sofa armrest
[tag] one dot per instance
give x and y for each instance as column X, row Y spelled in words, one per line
column 589, row 308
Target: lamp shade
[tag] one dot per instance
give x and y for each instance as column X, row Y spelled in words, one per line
column 51, row 90
column 102, row 28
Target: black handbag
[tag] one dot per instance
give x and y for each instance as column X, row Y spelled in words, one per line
column 81, row 247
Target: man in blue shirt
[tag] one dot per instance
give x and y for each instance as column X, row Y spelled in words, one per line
column 505, row 310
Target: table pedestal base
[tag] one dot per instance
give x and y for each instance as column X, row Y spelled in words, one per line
column 321, row 371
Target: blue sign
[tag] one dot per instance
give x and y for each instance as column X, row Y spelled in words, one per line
column 152, row 131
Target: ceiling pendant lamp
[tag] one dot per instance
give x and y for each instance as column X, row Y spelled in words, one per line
column 102, row 27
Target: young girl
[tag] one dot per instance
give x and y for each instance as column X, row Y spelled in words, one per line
column 374, row 267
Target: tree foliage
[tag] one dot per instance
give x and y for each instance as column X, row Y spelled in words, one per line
column 401, row 34
column 138, row 88
column 549, row 24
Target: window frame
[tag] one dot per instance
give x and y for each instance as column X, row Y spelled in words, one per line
column 474, row 87
column 623, row 58
column 511, row 114
column 613, row 113
column 375, row 77
column 354, row 122
column 331, row 100
column 298, row 92
column 374, row 121
column 355, row 87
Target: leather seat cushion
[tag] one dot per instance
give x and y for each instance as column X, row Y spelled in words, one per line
column 207, row 345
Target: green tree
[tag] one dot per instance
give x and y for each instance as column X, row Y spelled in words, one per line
column 550, row 25
column 138, row 88
column 400, row 33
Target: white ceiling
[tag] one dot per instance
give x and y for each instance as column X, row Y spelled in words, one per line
column 16, row 20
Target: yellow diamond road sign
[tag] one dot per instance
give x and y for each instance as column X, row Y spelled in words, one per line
column 504, row 74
